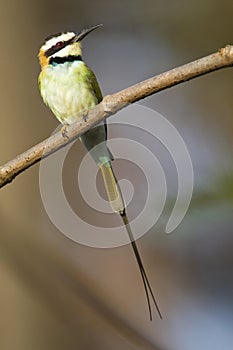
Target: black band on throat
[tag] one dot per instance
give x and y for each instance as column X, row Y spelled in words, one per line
column 61, row 60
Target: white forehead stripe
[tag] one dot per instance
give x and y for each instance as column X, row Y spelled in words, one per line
column 53, row 41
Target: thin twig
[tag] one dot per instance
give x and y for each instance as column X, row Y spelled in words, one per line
column 112, row 104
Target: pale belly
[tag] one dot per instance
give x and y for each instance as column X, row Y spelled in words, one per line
column 68, row 95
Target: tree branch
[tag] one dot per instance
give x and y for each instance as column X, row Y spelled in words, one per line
column 112, row 104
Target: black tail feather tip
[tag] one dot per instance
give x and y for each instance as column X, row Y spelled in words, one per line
column 145, row 280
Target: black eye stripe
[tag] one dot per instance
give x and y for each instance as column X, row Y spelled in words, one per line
column 52, row 50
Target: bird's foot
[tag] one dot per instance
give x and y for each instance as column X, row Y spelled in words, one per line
column 85, row 117
column 64, row 131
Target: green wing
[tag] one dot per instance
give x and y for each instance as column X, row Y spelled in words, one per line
column 97, row 135
column 96, row 89
column 94, row 85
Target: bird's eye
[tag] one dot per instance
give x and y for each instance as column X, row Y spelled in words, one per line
column 60, row 44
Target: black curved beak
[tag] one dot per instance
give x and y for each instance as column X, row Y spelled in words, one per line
column 85, row 32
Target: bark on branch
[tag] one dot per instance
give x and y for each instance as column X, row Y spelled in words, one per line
column 113, row 103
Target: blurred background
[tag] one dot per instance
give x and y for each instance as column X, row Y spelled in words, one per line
column 57, row 294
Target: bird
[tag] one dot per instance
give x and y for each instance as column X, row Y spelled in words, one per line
column 70, row 89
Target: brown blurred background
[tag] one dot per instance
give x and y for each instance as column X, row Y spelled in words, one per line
column 57, row 294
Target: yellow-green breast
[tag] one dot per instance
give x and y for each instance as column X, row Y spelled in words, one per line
column 70, row 90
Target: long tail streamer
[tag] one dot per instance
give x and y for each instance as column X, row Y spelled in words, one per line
column 118, row 206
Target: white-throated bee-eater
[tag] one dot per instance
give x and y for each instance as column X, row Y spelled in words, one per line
column 70, row 89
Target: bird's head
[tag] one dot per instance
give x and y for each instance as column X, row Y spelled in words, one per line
column 62, row 46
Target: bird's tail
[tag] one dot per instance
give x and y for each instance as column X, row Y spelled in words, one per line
column 112, row 188
column 117, row 203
